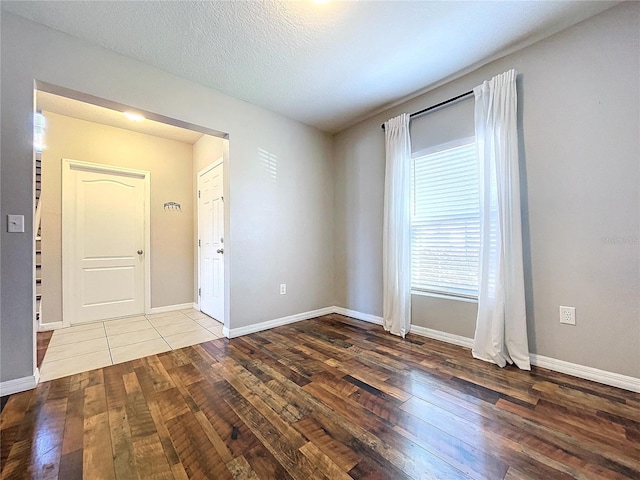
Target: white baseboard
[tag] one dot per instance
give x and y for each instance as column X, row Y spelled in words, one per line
column 588, row 373
column 561, row 366
column 45, row 327
column 442, row 336
column 258, row 327
column 171, row 308
column 195, row 306
column 366, row 317
column 19, row 384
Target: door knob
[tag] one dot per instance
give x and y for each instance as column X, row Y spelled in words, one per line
column 140, row 252
column 220, row 250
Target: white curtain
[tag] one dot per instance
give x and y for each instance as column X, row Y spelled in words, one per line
column 501, row 328
column 396, row 255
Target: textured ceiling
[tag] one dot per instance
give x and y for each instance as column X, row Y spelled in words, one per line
column 325, row 65
column 49, row 102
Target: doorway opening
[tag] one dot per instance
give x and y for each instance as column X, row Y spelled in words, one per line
column 118, row 226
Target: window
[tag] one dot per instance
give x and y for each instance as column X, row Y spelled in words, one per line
column 445, row 220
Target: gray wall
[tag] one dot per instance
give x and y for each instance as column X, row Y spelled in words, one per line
column 580, row 119
column 279, row 231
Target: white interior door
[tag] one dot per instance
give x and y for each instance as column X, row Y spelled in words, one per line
column 103, row 242
column 211, row 240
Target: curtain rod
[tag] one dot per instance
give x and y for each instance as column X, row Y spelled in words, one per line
column 441, row 104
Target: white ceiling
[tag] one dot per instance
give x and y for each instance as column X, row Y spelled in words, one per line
column 49, row 102
column 326, row 65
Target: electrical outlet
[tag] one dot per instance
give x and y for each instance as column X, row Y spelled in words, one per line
column 283, row 289
column 568, row 315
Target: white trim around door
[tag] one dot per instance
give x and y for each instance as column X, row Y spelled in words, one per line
column 69, row 167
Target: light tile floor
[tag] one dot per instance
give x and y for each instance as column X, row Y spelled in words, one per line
column 95, row 345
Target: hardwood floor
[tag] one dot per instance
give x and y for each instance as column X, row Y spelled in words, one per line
column 326, row 398
column 42, row 343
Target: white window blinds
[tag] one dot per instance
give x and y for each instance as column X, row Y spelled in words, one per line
column 445, row 222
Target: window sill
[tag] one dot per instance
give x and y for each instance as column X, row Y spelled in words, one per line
column 444, row 296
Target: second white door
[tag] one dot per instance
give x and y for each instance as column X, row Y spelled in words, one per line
column 211, row 240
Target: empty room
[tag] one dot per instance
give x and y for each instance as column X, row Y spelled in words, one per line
column 320, row 239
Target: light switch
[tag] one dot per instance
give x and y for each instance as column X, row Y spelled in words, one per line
column 15, row 223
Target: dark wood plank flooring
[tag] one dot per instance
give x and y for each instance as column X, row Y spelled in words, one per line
column 330, row 398
column 42, row 343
